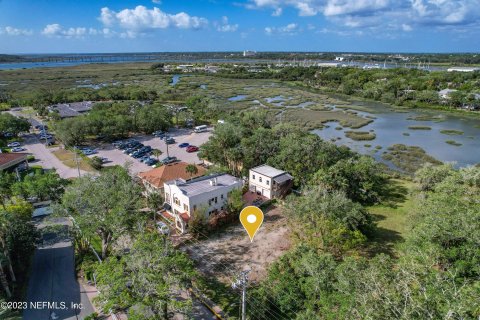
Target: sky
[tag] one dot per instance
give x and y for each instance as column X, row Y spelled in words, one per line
column 60, row 26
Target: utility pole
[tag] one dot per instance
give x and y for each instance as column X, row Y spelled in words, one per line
column 76, row 160
column 242, row 282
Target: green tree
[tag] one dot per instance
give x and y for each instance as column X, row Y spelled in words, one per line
column 43, row 186
column 105, row 206
column 12, row 124
column 148, row 280
column 157, row 153
column 328, row 220
column 191, row 169
column 361, row 178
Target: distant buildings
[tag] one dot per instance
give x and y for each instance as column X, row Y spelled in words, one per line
column 340, row 59
column 463, row 69
column 328, row 64
column 205, row 195
column 69, row 110
column 248, row 53
column 445, row 93
column 269, row 182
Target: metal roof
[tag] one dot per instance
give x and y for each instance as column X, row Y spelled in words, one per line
column 268, row 171
column 203, row 184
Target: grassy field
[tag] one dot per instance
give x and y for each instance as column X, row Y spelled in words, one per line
column 391, row 216
column 68, row 158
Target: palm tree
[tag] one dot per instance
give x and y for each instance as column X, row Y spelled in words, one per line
column 157, row 153
column 191, row 169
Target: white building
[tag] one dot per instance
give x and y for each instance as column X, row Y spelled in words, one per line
column 463, row 69
column 269, row 182
column 248, row 53
column 445, row 93
column 208, row 194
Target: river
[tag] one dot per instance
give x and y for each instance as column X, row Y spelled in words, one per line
column 392, row 127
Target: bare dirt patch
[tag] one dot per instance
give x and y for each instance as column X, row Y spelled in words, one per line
column 231, row 250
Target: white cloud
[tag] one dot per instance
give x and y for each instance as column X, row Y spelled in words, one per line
column 277, row 13
column 11, row 31
column 406, row 27
column 56, row 30
column 142, row 19
column 289, row 29
column 383, row 13
column 224, row 26
column 157, row 1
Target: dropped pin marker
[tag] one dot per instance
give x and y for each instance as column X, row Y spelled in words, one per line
column 251, row 218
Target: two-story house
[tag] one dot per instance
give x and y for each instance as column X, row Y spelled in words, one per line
column 206, row 195
column 269, row 182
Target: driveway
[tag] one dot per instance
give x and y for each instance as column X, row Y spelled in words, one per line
column 53, row 287
column 45, row 158
column 117, row 157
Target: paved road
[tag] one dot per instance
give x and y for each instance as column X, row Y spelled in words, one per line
column 45, row 158
column 43, row 155
column 53, row 280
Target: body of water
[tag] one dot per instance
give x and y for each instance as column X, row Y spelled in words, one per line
column 392, row 128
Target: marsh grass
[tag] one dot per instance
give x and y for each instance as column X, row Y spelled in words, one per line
column 408, row 158
column 360, row 135
column 452, row 132
column 453, row 143
column 420, row 128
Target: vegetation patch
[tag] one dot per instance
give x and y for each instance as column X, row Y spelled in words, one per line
column 427, row 117
column 453, row 143
column 360, row 135
column 408, row 158
column 311, row 119
column 452, row 132
column 420, row 128
column 68, row 159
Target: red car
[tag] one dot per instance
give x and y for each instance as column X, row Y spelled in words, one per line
column 192, row 149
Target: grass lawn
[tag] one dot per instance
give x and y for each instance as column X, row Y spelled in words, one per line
column 391, row 217
column 68, row 159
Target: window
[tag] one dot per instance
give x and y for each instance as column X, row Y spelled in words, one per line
column 216, row 200
column 185, row 207
column 268, row 182
column 221, row 196
column 176, row 201
column 260, row 179
column 167, row 196
column 253, row 177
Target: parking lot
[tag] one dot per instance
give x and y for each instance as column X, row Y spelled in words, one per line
column 117, row 157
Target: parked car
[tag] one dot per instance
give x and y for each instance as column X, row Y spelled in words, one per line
column 163, row 228
column 184, row 145
column 151, row 162
column 8, row 134
column 144, row 158
column 18, row 149
column 192, row 149
column 168, row 160
column 158, row 134
column 13, row 144
column 88, row 152
column 169, row 140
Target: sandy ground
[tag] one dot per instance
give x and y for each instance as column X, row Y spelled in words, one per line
column 231, row 251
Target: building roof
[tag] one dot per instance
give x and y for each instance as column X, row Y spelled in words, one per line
column 66, row 110
column 282, row 178
column 177, row 170
column 268, row 171
column 204, row 184
column 9, row 159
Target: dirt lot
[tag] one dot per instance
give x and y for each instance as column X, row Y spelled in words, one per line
column 233, row 251
column 117, row 157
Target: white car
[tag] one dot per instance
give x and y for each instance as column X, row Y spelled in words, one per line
column 163, row 228
column 18, row 149
column 13, row 144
